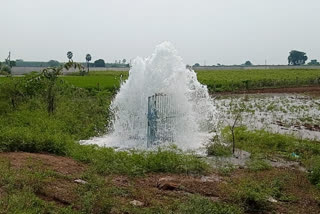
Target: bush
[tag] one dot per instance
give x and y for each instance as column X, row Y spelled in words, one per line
column 5, row 69
column 25, row 124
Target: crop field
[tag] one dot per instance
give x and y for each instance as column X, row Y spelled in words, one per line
column 232, row 80
column 216, row 80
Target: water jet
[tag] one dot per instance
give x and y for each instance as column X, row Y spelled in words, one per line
column 161, row 102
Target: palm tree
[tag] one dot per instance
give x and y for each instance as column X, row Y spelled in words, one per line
column 88, row 59
column 70, row 55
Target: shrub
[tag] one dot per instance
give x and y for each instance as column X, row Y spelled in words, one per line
column 5, row 69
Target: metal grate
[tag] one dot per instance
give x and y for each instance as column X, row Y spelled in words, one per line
column 161, row 119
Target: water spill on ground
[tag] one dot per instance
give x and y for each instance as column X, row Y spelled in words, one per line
column 295, row 114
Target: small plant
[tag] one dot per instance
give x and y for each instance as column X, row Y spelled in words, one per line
column 314, row 171
column 168, row 160
column 226, row 170
column 258, row 164
column 200, row 205
column 95, row 196
column 219, row 149
column 253, row 195
column 51, row 75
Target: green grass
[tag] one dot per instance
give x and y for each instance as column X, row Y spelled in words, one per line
column 200, row 205
column 27, row 126
column 81, row 114
column 20, row 189
column 216, row 80
column 257, row 164
column 108, row 161
column 263, row 142
column 111, row 83
column 253, row 190
column 219, row 149
column 230, row 80
column 109, row 80
column 314, row 168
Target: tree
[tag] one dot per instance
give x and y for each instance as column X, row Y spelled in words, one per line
column 11, row 63
column 196, row 65
column 314, row 62
column 124, row 61
column 88, row 59
column 248, row 63
column 297, row 58
column 99, row 63
column 69, row 55
column 51, row 75
column 53, row 63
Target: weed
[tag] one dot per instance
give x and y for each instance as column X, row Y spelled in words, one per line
column 263, row 142
column 219, row 149
column 257, row 164
column 200, row 205
column 107, row 160
column 314, row 170
column 226, row 169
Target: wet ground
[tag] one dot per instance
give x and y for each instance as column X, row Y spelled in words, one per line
column 297, row 114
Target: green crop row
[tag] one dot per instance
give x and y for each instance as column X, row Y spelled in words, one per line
column 232, row 80
column 216, row 80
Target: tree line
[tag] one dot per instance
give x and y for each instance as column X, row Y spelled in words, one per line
column 53, row 63
column 295, row 58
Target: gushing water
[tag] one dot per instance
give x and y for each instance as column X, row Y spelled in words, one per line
column 162, row 73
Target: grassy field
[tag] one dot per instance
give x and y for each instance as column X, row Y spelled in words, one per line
column 41, row 160
column 217, row 81
column 254, row 79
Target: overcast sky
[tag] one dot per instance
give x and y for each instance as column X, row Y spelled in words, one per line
column 215, row 31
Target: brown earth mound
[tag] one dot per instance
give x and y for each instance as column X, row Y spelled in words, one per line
column 63, row 165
